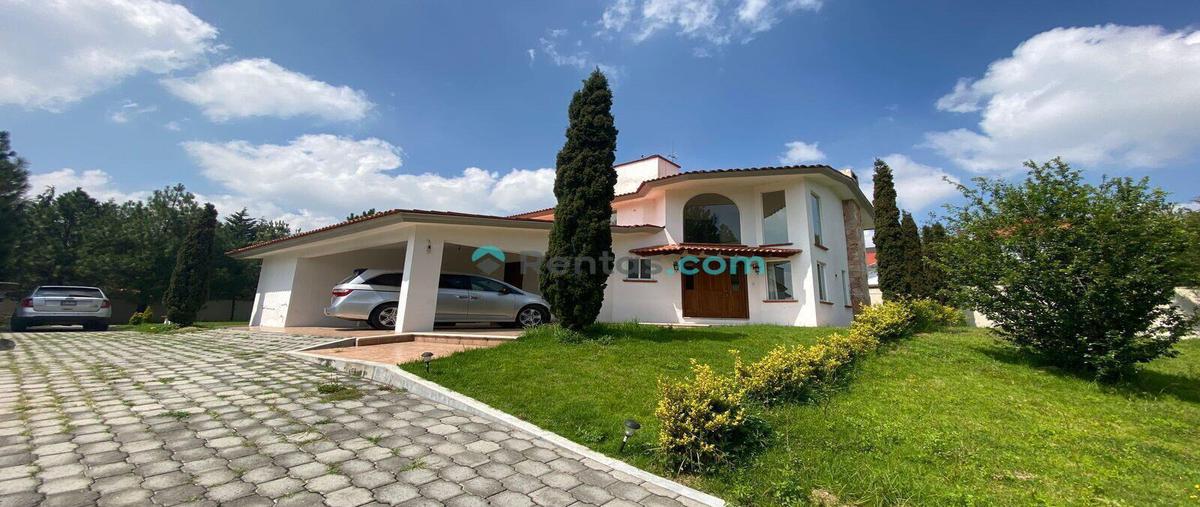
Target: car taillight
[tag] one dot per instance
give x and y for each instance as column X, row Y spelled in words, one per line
column 27, row 303
column 105, row 304
column 342, row 292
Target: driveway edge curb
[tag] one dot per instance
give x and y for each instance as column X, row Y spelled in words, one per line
column 394, row 376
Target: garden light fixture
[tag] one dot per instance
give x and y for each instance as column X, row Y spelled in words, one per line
column 427, row 357
column 631, row 427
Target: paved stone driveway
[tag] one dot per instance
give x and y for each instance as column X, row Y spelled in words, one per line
column 217, row 417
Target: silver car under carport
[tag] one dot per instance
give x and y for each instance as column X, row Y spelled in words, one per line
column 371, row 295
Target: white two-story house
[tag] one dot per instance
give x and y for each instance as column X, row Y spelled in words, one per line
column 675, row 234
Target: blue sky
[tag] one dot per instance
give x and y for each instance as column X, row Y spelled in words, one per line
column 310, row 110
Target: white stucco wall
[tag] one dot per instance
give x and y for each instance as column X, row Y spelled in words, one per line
column 274, row 291
column 630, row 175
column 661, row 300
column 294, row 285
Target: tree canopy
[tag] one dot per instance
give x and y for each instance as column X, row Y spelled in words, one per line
column 888, row 238
column 1080, row 274
column 583, row 184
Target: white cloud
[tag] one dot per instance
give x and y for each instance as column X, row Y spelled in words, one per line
column 918, row 186
column 260, row 87
column 57, row 52
column 717, row 22
column 129, row 110
column 1105, row 95
column 95, row 182
column 317, row 179
column 579, row 59
column 173, row 126
column 800, row 152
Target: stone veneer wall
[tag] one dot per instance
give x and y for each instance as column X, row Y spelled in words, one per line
column 856, row 256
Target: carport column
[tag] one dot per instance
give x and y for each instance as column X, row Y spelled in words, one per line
column 418, row 293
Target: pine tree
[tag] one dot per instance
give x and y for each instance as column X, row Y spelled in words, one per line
column 14, row 181
column 935, row 277
column 583, row 184
column 889, row 252
column 914, row 274
column 193, row 269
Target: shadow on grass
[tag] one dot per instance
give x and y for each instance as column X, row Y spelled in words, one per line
column 1144, row 383
column 6, row 344
column 659, row 334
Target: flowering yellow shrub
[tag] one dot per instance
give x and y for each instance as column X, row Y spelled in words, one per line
column 929, row 315
column 793, row 372
column 886, row 322
column 703, row 420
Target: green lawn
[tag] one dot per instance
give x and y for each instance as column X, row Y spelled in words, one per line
column 945, row 418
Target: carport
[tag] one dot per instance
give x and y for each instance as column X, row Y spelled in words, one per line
column 299, row 271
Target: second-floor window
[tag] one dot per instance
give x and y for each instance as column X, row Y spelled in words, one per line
column 711, row 218
column 814, row 211
column 774, row 222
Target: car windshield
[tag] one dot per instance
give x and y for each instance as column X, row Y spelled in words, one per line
column 65, row 292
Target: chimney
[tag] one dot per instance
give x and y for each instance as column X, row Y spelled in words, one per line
column 630, row 175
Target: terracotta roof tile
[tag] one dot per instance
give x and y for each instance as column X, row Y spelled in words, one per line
column 713, row 249
column 690, row 173
column 397, row 211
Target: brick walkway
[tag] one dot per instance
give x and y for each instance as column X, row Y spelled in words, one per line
column 217, row 417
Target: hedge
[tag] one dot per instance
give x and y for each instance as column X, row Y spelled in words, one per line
column 706, row 420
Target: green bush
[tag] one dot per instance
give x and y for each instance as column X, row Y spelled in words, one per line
column 929, row 315
column 704, row 420
column 794, row 373
column 886, row 322
column 1080, row 274
column 143, row 317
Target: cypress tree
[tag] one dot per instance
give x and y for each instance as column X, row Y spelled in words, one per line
column 193, row 269
column 913, row 275
column 935, row 277
column 583, row 185
column 14, row 181
column 889, row 253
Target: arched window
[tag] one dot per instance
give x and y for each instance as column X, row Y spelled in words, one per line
column 711, row 218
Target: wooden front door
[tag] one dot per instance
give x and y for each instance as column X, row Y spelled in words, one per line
column 720, row 296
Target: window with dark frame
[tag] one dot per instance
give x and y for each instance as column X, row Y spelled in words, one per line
column 822, row 289
column 814, row 211
column 774, row 221
column 638, row 269
column 779, row 281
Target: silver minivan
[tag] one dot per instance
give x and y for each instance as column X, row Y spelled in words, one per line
column 371, row 295
column 63, row 305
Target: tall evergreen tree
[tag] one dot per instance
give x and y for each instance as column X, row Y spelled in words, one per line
column 889, row 252
column 583, row 184
column 188, row 290
column 914, row 275
column 14, row 181
column 932, row 237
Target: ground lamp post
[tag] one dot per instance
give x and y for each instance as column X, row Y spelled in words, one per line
column 427, row 357
column 631, row 427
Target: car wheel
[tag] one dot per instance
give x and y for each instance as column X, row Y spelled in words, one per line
column 531, row 316
column 384, row 316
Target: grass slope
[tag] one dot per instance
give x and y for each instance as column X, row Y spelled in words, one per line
column 946, row 418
